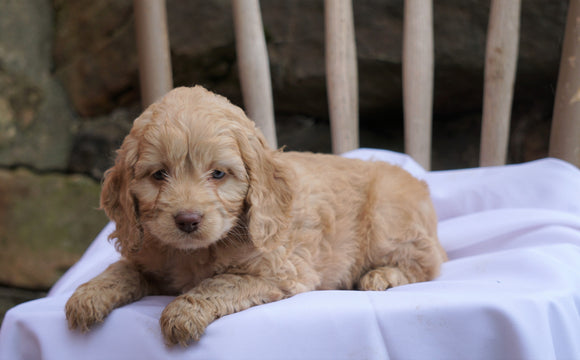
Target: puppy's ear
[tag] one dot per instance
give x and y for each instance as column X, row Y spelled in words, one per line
column 270, row 195
column 117, row 200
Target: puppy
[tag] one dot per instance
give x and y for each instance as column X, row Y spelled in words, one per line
column 206, row 211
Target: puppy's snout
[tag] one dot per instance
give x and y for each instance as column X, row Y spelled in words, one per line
column 188, row 221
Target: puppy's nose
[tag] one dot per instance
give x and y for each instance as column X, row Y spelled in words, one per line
column 188, row 221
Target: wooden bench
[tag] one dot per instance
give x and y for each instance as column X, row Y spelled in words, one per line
column 418, row 66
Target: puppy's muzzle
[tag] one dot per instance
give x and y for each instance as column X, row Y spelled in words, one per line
column 188, row 222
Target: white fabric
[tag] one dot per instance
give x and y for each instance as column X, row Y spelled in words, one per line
column 511, row 289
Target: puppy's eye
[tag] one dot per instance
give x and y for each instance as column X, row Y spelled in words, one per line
column 160, row 175
column 217, row 174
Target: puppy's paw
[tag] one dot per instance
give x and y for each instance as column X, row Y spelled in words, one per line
column 185, row 319
column 382, row 278
column 86, row 308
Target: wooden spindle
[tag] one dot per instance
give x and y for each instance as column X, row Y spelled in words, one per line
column 341, row 74
column 153, row 49
column 418, row 79
column 254, row 66
column 500, row 72
column 565, row 135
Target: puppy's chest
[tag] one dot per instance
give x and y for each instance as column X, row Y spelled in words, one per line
column 176, row 272
column 186, row 272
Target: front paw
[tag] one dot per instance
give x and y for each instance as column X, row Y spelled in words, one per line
column 185, row 319
column 86, row 308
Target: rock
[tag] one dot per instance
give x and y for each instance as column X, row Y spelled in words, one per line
column 46, row 223
column 95, row 54
column 97, row 139
column 35, row 119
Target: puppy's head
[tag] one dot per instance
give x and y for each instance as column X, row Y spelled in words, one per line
column 192, row 168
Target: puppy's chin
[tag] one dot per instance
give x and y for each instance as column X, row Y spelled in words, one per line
column 187, row 242
column 170, row 235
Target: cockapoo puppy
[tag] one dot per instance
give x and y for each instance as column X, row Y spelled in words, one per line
column 206, row 211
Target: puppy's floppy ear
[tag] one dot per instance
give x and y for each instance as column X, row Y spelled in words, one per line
column 116, row 198
column 270, row 195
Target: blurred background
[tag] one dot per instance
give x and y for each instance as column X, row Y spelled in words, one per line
column 69, row 91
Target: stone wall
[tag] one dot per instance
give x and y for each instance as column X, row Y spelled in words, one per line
column 69, row 92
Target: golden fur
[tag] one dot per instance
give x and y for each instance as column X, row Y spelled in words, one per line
column 271, row 224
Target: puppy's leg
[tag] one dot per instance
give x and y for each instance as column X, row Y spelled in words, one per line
column 383, row 278
column 415, row 259
column 399, row 231
column 121, row 283
column 186, row 317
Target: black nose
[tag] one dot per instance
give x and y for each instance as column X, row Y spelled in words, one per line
column 188, row 221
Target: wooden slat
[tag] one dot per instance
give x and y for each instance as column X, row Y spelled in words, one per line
column 153, row 48
column 254, row 67
column 418, row 79
column 500, row 71
column 565, row 135
column 341, row 74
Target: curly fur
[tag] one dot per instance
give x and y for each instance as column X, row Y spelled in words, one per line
column 273, row 224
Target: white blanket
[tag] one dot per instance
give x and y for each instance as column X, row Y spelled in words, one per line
column 510, row 290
